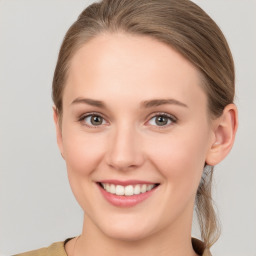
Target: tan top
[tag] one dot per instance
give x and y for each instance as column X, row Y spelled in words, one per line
column 58, row 249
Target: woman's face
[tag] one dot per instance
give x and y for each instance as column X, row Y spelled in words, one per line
column 134, row 117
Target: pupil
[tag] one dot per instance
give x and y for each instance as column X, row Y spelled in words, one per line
column 161, row 120
column 96, row 120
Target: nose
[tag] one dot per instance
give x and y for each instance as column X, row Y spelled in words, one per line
column 125, row 151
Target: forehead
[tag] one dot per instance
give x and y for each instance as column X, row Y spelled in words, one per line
column 126, row 65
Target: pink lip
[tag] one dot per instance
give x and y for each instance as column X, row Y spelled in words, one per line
column 126, row 201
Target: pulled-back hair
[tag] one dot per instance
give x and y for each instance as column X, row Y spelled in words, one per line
column 185, row 27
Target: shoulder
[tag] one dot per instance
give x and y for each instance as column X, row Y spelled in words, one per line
column 56, row 249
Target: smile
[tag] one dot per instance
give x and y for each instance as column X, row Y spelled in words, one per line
column 126, row 193
column 129, row 190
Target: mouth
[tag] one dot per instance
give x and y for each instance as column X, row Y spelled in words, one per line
column 127, row 190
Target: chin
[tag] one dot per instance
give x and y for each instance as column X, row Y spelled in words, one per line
column 131, row 235
column 128, row 230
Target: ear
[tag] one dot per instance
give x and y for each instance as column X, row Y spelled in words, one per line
column 225, row 128
column 56, row 119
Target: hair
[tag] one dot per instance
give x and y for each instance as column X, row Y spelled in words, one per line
column 185, row 27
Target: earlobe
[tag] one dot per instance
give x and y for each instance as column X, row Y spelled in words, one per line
column 58, row 130
column 225, row 128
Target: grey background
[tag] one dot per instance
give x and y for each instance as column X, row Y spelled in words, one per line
column 37, row 207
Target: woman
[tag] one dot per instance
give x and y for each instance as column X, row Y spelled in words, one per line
column 143, row 107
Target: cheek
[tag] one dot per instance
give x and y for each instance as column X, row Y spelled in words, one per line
column 82, row 151
column 180, row 158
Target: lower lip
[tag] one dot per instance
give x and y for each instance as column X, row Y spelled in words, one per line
column 125, row 201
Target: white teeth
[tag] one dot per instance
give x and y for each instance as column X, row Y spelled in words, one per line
column 149, row 187
column 127, row 190
column 112, row 189
column 143, row 188
column 119, row 190
column 137, row 189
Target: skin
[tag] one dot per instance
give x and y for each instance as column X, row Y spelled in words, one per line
column 123, row 71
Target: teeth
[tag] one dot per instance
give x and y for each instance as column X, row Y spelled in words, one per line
column 149, row 187
column 112, row 189
column 137, row 189
column 143, row 188
column 129, row 190
column 119, row 190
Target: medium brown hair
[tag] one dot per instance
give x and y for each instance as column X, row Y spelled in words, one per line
column 185, row 27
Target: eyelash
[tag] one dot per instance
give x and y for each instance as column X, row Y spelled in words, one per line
column 171, row 118
column 82, row 118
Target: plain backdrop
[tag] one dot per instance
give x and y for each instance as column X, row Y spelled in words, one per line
column 37, row 206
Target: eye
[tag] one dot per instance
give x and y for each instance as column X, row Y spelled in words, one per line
column 93, row 120
column 162, row 120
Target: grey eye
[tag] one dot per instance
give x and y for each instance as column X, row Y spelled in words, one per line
column 160, row 120
column 94, row 120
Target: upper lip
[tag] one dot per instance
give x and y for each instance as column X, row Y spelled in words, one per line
column 126, row 182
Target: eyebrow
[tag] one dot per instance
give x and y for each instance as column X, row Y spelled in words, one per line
column 144, row 104
column 95, row 103
column 159, row 102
